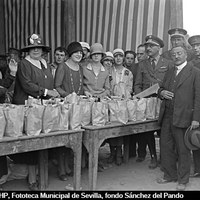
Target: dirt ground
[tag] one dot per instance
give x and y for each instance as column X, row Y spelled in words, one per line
column 132, row 176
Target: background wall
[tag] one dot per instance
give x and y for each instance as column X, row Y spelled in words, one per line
column 114, row 23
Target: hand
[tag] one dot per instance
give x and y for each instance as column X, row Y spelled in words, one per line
column 194, row 125
column 88, row 94
column 167, row 94
column 53, row 93
column 13, row 67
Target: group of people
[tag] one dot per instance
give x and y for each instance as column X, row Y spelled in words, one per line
column 90, row 71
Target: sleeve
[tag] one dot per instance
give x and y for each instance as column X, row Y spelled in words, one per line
column 196, row 113
column 138, row 80
column 24, row 75
column 7, row 81
column 59, row 77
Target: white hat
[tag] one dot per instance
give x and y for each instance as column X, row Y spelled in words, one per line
column 85, row 45
column 108, row 54
column 118, row 51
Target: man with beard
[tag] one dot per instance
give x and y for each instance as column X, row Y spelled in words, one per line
column 150, row 72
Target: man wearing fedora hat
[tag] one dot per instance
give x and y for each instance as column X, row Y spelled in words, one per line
column 178, row 38
column 150, row 71
column 194, row 41
column 180, row 108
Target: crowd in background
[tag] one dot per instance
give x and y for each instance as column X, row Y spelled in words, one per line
column 93, row 72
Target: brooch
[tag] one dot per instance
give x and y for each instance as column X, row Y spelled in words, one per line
column 126, row 73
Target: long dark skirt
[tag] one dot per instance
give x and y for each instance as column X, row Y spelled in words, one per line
column 3, row 166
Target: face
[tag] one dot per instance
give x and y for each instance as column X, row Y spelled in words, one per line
column 108, row 62
column 141, row 53
column 35, row 53
column 196, row 48
column 118, row 58
column 59, row 57
column 77, row 56
column 85, row 52
column 152, row 50
column 177, row 41
column 97, row 57
column 129, row 59
column 178, row 55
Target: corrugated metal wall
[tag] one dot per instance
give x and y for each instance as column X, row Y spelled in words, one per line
column 24, row 17
column 121, row 23
column 114, row 23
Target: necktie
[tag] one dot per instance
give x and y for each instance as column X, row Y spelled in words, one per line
column 153, row 64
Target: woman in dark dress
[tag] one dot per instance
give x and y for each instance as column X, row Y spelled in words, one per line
column 34, row 78
column 68, row 79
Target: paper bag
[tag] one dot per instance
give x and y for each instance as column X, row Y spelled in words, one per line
column 2, row 122
column 118, row 111
column 151, row 107
column 99, row 113
column 33, row 119
column 141, row 109
column 132, row 109
column 14, row 115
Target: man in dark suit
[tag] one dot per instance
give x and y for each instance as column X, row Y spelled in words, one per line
column 150, row 72
column 180, row 109
column 194, row 41
column 178, row 38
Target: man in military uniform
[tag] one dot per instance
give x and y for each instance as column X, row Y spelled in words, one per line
column 194, row 41
column 177, row 37
column 150, row 72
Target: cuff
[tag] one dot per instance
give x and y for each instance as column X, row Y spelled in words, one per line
column 45, row 92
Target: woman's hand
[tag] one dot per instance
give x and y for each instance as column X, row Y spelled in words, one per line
column 53, row 93
column 88, row 94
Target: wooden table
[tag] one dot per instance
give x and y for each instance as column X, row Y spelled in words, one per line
column 94, row 136
column 42, row 142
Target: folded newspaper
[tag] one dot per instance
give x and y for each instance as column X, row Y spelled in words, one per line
column 149, row 91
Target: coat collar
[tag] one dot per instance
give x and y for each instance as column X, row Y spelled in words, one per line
column 185, row 73
column 36, row 63
column 89, row 67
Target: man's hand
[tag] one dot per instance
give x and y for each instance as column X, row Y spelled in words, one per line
column 167, row 94
column 194, row 125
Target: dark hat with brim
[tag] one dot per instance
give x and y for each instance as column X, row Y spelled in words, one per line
column 35, row 41
column 195, row 138
column 151, row 39
column 188, row 138
column 194, row 40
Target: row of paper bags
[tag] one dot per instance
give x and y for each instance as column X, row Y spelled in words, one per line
column 36, row 118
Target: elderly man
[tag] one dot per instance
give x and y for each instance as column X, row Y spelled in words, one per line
column 177, row 37
column 194, row 41
column 180, row 109
column 150, row 71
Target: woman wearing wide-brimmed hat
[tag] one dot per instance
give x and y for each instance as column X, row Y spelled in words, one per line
column 34, row 78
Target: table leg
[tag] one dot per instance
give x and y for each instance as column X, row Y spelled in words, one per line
column 93, row 161
column 43, row 169
column 77, row 149
column 126, row 149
